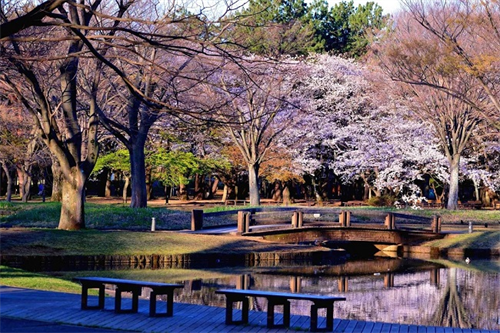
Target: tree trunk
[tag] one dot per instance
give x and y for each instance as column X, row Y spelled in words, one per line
column 10, row 182
column 183, row 193
column 453, row 191
column 57, row 179
column 73, row 198
column 199, row 187
column 20, row 181
column 26, row 185
column 317, row 192
column 476, row 190
column 277, row 192
column 138, row 168
column 224, row 193
column 286, row 196
column 253, row 183
column 125, row 188
column 214, row 187
column 107, row 187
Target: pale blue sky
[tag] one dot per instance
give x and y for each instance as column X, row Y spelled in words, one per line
column 390, row 6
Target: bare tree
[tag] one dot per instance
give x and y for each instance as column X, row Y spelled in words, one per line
column 67, row 126
column 34, row 17
column 438, row 83
column 469, row 30
column 261, row 106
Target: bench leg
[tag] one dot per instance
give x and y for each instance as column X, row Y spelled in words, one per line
column 135, row 300
column 118, row 300
column 153, row 302
column 229, row 310
column 329, row 317
column 85, row 295
column 271, row 304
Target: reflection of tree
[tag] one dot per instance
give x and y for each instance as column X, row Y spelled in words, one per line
column 451, row 311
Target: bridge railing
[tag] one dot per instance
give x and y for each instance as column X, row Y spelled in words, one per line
column 293, row 217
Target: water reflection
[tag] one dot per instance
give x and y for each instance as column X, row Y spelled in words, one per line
column 384, row 290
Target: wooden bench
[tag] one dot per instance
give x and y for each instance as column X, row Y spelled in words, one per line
column 277, row 298
column 133, row 286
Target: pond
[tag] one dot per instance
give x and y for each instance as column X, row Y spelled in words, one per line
column 405, row 291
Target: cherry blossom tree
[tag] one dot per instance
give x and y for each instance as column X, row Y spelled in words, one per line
column 356, row 133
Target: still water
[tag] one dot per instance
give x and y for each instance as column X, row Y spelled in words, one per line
column 441, row 293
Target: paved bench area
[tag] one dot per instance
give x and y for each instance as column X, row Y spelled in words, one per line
column 65, row 308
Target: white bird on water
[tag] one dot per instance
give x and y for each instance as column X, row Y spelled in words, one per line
column 467, row 260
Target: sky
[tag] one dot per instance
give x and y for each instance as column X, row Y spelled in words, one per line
column 390, row 6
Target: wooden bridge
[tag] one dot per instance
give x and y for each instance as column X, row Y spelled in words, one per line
column 331, row 227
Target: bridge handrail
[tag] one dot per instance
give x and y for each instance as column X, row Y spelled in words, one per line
column 260, row 214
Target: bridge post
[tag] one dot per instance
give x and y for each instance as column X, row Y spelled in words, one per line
column 248, row 219
column 196, row 219
column 436, row 224
column 243, row 221
column 390, row 221
column 295, row 218
column 345, row 219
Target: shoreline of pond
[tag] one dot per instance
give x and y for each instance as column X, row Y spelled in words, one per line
column 191, row 260
column 219, row 259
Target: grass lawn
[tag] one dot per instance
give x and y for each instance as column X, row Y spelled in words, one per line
column 475, row 240
column 18, row 241
column 14, row 277
column 113, row 229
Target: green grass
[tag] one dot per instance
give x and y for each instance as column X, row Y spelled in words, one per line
column 168, row 275
column 114, row 229
column 96, row 242
column 61, row 281
column 97, row 216
column 475, row 240
column 224, row 208
column 14, row 277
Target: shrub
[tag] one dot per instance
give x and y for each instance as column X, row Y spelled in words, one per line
column 382, row 201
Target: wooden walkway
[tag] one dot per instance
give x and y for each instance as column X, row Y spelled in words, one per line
column 65, row 308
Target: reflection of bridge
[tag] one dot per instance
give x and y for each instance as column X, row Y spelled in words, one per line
column 244, row 281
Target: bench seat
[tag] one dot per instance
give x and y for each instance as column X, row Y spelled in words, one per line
column 133, row 286
column 279, row 299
